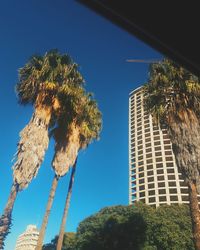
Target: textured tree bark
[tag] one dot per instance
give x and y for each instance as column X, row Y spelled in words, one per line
column 6, row 218
column 195, row 214
column 67, row 203
column 47, row 212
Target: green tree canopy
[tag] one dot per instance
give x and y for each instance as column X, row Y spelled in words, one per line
column 138, row 227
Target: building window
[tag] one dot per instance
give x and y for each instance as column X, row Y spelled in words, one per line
column 141, row 181
column 141, row 188
column 170, row 170
column 160, row 171
column 156, row 138
column 167, row 147
column 159, row 165
column 147, row 140
column 147, row 130
column 149, row 161
column 159, row 159
column 162, row 191
column 139, row 142
column 185, row 198
column 171, row 177
column 162, row 198
column 140, row 163
column 156, row 133
column 158, row 153
column 156, row 143
column 149, row 167
column 184, row 190
column 172, row 190
column 168, row 153
column 147, row 134
column 140, row 157
column 148, row 150
column 161, row 184
column 151, row 186
column 157, row 148
column 169, row 158
column 139, row 147
column 167, row 142
column 140, row 152
column 142, row 194
column 149, row 155
column 152, row 192
column 141, row 175
column 165, row 136
column 173, row 198
column 148, row 145
column 172, row 184
column 150, row 173
column 170, row 164
column 152, row 199
column 183, row 184
column 141, row 169
column 150, row 179
column 160, row 178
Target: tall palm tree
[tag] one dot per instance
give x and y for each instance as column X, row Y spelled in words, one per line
column 88, row 126
column 39, row 82
column 78, row 124
column 172, row 96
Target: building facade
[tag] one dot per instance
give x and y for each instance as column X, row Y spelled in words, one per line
column 28, row 239
column 153, row 175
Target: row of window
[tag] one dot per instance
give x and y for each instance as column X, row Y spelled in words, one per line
column 160, row 184
column 161, row 191
column 158, row 165
column 152, row 172
column 171, row 182
column 148, row 140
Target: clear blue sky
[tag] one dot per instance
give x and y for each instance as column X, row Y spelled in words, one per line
column 101, row 50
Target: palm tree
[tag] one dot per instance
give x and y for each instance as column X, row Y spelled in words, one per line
column 78, row 124
column 172, row 96
column 88, row 126
column 39, row 82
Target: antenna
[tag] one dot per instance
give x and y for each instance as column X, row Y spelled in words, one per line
column 143, row 61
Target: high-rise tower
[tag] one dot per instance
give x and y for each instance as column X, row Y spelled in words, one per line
column 28, row 239
column 153, row 175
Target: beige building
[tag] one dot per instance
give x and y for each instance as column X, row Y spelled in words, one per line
column 153, row 175
column 28, row 239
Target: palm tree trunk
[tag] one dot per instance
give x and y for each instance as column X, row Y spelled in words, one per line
column 6, row 218
column 195, row 214
column 47, row 212
column 67, row 203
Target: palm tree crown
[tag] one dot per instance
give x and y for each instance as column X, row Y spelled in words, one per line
column 45, row 73
column 79, row 122
column 172, row 96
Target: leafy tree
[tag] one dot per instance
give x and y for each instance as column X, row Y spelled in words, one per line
column 39, row 82
column 117, row 228
column 135, row 227
column 68, row 242
column 172, row 96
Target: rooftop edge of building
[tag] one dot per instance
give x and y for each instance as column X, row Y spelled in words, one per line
column 135, row 90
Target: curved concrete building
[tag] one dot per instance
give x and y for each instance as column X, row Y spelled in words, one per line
column 28, row 239
column 153, row 175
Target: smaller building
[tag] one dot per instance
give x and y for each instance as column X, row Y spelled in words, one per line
column 28, row 239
